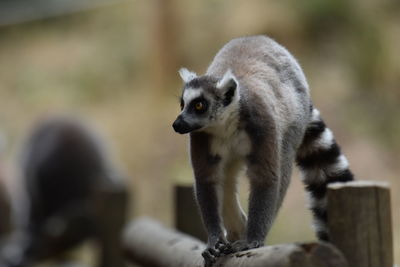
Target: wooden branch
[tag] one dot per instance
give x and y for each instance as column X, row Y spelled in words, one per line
column 359, row 219
column 148, row 243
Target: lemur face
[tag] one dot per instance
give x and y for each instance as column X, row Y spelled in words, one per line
column 204, row 101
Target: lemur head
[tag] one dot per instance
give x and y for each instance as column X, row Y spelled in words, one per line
column 206, row 101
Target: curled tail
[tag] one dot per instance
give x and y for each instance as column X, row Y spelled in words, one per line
column 321, row 162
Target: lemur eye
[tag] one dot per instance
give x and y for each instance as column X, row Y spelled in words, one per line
column 182, row 104
column 199, row 106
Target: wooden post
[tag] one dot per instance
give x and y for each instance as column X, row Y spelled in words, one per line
column 110, row 219
column 5, row 208
column 149, row 244
column 5, row 212
column 165, row 35
column 187, row 217
column 359, row 219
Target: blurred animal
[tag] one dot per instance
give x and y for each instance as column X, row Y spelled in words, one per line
column 252, row 109
column 66, row 173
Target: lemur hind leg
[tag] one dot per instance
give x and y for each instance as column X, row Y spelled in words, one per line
column 263, row 203
column 233, row 215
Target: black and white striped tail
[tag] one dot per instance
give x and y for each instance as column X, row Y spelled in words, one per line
column 321, row 162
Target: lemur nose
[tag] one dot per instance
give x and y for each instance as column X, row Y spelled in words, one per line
column 177, row 123
column 180, row 125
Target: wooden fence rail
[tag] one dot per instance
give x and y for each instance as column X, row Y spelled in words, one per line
column 148, row 243
column 359, row 222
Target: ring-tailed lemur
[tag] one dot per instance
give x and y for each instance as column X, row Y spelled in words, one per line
column 252, row 109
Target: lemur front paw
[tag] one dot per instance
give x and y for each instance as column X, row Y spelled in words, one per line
column 211, row 253
column 242, row 245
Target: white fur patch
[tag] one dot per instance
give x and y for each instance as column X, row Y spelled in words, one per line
column 233, row 215
column 230, row 144
column 340, row 165
column 187, row 75
column 325, row 140
column 189, row 94
column 320, row 226
column 315, row 115
column 317, row 203
column 228, row 76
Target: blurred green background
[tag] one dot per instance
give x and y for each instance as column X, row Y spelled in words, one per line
column 117, row 63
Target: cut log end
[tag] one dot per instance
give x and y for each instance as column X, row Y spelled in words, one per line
column 359, row 219
column 358, row 184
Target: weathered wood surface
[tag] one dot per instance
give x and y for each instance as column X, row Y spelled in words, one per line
column 110, row 219
column 359, row 219
column 5, row 212
column 148, row 243
column 187, row 216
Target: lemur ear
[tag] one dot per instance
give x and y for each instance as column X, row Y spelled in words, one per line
column 187, row 75
column 228, row 85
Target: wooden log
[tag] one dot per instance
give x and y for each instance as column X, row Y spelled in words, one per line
column 148, row 243
column 187, row 216
column 359, row 219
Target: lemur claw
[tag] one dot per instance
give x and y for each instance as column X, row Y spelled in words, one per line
column 209, row 257
column 225, row 249
column 255, row 244
column 211, row 254
column 242, row 245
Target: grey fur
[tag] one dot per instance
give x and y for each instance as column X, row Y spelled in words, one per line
column 261, row 127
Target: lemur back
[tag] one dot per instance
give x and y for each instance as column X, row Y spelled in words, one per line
column 252, row 110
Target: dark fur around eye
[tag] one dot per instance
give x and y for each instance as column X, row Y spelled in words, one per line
column 182, row 103
column 197, row 100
